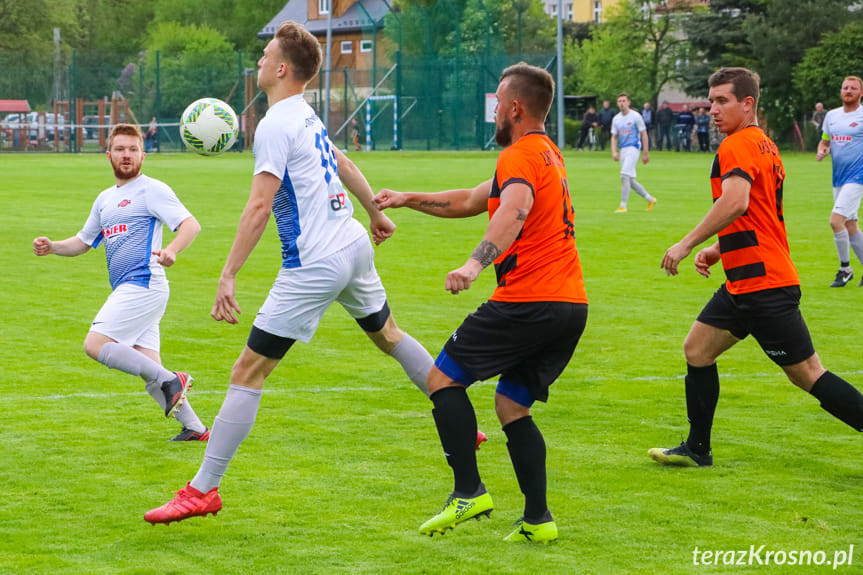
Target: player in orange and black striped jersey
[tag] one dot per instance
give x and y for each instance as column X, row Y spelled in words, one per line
column 528, row 330
column 761, row 294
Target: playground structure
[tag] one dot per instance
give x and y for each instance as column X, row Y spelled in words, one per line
column 65, row 128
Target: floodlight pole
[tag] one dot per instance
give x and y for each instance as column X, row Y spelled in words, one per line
column 328, row 61
column 561, row 139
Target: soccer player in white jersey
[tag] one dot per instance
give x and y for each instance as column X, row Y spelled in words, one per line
column 300, row 177
column 843, row 139
column 128, row 218
column 628, row 136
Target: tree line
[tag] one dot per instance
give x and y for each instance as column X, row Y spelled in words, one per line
column 801, row 48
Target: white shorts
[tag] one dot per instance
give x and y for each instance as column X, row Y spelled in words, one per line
column 131, row 315
column 846, row 200
column 628, row 160
column 300, row 296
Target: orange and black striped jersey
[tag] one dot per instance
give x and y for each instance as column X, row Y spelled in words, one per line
column 754, row 248
column 542, row 263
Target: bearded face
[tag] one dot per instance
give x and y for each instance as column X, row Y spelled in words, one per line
column 126, row 157
column 503, row 131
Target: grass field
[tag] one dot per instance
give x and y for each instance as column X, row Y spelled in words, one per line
column 344, row 463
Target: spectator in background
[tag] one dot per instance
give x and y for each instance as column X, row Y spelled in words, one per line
column 685, row 123
column 818, row 121
column 151, row 138
column 664, row 119
column 355, row 134
column 702, row 129
column 606, row 115
column 647, row 116
column 588, row 121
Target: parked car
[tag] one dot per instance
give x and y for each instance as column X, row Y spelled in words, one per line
column 92, row 126
column 19, row 121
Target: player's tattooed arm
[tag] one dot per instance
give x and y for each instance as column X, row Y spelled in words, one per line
column 435, row 203
column 485, row 253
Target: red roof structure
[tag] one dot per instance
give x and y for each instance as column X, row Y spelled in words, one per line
column 14, row 106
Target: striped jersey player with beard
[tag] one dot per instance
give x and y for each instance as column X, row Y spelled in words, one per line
column 128, row 218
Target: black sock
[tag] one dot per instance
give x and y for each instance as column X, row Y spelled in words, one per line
column 702, row 393
column 527, row 450
column 456, row 426
column 840, row 399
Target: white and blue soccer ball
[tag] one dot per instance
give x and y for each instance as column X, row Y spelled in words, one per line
column 209, row 126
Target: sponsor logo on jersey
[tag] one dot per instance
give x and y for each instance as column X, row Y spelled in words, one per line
column 841, row 138
column 114, row 230
column 854, row 124
column 124, row 203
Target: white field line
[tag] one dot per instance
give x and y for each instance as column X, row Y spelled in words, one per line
column 354, row 389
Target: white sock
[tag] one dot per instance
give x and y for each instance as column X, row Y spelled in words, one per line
column 856, row 242
column 188, row 418
column 129, row 360
column 625, row 182
column 415, row 360
column 843, row 246
column 639, row 189
column 231, row 427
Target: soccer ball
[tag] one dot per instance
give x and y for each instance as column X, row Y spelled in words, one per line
column 209, row 126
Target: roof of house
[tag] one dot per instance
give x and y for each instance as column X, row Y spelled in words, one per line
column 14, row 106
column 362, row 14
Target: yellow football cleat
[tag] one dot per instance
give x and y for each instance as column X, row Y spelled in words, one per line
column 457, row 510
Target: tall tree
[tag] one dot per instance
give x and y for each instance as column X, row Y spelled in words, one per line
column 836, row 56
column 718, row 38
column 780, row 37
column 637, row 50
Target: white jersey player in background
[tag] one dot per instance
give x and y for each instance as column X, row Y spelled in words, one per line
column 628, row 136
column 326, row 257
column 127, row 218
column 843, row 139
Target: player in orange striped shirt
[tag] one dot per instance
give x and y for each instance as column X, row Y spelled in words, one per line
column 528, row 330
column 761, row 294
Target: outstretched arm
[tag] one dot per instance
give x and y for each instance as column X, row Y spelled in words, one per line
column 186, row 233
column 70, row 247
column 354, row 180
column 253, row 222
column 503, row 228
column 730, row 205
column 449, row 204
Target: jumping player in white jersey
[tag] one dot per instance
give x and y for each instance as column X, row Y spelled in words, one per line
column 300, row 177
column 843, row 139
column 628, row 135
column 128, row 219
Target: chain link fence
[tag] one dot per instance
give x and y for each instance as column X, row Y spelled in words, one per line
column 414, row 103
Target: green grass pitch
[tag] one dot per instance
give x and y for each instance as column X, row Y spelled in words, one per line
column 344, row 463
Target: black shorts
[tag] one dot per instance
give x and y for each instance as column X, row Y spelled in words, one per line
column 528, row 343
column 772, row 316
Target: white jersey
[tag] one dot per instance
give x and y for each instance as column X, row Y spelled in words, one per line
column 128, row 220
column 846, row 145
column 628, row 129
column 313, row 213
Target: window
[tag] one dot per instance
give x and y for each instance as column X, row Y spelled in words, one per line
column 597, row 11
column 323, row 6
column 347, row 46
column 568, row 11
column 554, row 9
column 365, row 45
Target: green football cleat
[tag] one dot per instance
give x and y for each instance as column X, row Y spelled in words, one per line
column 680, row 456
column 457, row 510
column 530, row 533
